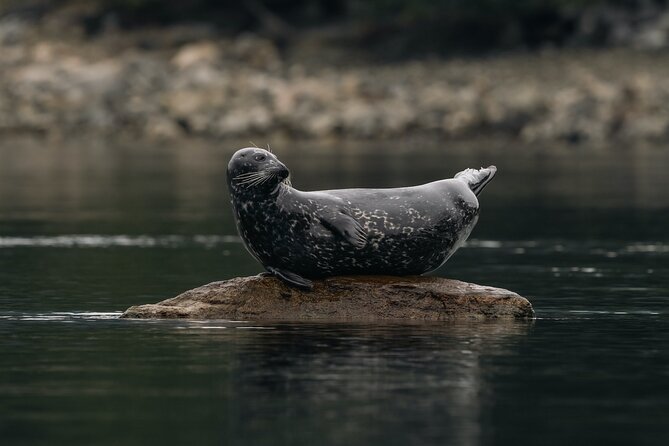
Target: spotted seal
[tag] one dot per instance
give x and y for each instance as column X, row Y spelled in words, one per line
column 299, row 235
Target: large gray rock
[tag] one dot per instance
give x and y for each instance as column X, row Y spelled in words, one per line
column 341, row 298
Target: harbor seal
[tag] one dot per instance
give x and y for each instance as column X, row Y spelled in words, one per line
column 299, row 235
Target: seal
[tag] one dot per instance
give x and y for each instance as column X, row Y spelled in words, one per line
column 298, row 235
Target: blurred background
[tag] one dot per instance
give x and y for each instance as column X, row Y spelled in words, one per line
column 555, row 70
column 117, row 121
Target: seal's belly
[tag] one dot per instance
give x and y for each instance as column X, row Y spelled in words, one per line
column 401, row 243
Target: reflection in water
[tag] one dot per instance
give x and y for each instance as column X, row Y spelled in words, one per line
column 258, row 383
column 428, row 376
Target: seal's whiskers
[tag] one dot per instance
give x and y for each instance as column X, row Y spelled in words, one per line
column 268, row 177
column 250, row 178
column 254, row 178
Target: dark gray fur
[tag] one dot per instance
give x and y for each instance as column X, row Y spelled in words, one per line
column 297, row 235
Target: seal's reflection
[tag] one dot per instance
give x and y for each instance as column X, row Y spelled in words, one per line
column 411, row 382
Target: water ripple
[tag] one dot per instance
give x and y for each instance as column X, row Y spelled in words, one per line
column 107, row 241
column 61, row 316
column 605, row 249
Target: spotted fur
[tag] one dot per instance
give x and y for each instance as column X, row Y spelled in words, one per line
column 400, row 231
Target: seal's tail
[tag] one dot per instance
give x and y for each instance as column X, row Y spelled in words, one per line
column 477, row 179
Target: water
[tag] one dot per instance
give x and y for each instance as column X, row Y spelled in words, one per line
column 88, row 229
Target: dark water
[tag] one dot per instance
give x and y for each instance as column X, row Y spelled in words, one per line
column 88, row 229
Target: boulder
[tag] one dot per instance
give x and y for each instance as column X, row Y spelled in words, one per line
column 346, row 298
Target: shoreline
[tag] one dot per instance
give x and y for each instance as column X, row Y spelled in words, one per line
column 245, row 88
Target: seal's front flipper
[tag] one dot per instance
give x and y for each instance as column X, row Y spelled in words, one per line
column 346, row 226
column 477, row 179
column 292, row 278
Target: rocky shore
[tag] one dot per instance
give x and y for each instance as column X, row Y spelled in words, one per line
column 245, row 87
column 361, row 298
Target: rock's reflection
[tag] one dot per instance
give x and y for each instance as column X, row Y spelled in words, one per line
column 430, row 376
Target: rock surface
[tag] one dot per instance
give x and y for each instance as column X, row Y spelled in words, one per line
column 340, row 298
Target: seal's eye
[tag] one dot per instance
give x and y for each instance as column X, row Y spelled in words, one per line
column 260, row 157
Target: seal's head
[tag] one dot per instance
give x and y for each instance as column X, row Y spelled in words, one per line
column 253, row 168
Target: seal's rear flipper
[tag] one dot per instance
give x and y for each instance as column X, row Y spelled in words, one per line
column 477, row 179
column 292, row 278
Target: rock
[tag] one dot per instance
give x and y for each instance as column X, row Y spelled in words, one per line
column 196, row 53
column 12, row 31
column 162, row 128
column 191, row 82
column 340, row 298
column 256, row 52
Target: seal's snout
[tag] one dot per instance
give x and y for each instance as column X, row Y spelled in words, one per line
column 279, row 169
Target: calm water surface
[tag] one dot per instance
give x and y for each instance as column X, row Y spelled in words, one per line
column 88, row 229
